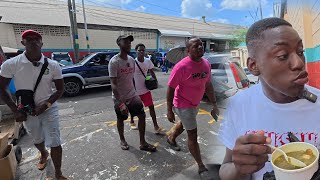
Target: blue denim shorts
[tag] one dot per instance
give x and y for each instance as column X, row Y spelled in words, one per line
column 45, row 127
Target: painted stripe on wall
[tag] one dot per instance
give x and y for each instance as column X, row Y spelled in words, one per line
column 312, row 54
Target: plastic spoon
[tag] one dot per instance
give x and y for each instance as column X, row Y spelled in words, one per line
column 290, row 160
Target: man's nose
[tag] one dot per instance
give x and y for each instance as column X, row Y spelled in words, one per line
column 297, row 62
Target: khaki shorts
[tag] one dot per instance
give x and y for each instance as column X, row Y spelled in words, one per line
column 187, row 117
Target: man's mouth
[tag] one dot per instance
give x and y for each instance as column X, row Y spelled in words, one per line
column 302, row 78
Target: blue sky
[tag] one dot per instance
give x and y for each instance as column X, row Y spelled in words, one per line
column 242, row 12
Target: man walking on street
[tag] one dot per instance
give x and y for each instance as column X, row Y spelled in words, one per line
column 42, row 119
column 145, row 65
column 189, row 79
column 121, row 69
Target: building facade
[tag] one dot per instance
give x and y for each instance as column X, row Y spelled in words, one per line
column 305, row 18
column 51, row 19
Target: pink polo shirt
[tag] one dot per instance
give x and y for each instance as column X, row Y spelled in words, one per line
column 189, row 79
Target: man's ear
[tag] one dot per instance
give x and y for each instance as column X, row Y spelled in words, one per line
column 22, row 42
column 253, row 66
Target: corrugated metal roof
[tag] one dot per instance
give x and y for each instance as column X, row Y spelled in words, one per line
column 55, row 13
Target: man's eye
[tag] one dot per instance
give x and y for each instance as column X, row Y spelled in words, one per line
column 283, row 57
column 301, row 53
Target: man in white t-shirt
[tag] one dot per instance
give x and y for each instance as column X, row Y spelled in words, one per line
column 43, row 121
column 139, row 78
column 265, row 113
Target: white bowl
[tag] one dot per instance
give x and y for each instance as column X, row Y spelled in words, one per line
column 305, row 173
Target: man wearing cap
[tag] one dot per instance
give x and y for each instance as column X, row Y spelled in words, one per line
column 121, row 70
column 43, row 121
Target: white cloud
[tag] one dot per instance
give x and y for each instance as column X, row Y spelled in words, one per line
column 241, row 4
column 140, row 8
column 196, row 8
column 225, row 21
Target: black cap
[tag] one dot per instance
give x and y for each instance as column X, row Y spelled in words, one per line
column 130, row 37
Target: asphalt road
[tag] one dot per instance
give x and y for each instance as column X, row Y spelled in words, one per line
column 91, row 142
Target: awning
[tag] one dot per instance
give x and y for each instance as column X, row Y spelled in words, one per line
column 175, row 33
column 222, row 36
column 9, row 50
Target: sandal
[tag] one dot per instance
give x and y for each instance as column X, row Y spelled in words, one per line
column 148, row 147
column 42, row 165
column 124, row 146
column 62, row 178
column 173, row 145
column 133, row 126
column 159, row 130
column 205, row 175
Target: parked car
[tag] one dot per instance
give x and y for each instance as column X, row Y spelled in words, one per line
column 91, row 70
column 227, row 75
column 253, row 79
column 62, row 57
column 159, row 58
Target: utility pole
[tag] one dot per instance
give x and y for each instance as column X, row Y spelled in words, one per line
column 260, row 9
column 74, row 29
column 86, row 27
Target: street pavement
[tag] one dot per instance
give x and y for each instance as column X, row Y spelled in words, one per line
column 91, row 148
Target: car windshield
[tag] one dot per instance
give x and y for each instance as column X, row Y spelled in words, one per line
column 217, row 58
column 59, row 57
column 218, row 71
column 84, row 59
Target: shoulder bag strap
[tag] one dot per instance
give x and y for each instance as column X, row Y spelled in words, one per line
column 140, row 69
column 43, row 69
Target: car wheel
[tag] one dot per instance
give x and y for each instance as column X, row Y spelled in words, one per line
column 72, row 87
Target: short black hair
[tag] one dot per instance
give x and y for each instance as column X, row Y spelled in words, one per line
column 138, row 45
column 254, row 33
column 190, row 38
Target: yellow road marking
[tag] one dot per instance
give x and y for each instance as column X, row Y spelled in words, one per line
column 204, row 112
column 80, row 137
column 114, row 122
column 156, row 106
column 133, row 168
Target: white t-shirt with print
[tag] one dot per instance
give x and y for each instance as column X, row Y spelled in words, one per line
column 250, row 111
column 139, row 79
column 25, row 75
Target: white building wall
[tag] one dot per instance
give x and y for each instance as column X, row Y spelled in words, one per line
column 168, row 42
column 106, row 39
column 7, row 36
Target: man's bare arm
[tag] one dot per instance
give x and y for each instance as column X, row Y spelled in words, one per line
column 59, row 83
column 114, row 86
column 153, row 74
column 210, row 93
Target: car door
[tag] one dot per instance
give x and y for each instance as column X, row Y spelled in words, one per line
column 97, row 69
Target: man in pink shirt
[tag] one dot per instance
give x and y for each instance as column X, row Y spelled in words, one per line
column 189, row 80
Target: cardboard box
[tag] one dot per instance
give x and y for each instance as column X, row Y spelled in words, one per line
column 3, row 143
column 8, row 164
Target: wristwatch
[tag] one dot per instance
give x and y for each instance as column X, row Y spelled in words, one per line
column 49, row 105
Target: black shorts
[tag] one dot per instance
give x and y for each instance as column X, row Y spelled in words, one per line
column 134, row 106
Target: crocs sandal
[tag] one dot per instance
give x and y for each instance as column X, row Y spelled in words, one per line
column 173, row 145
column 148, row 147
column 124, row 146
column 42, row 166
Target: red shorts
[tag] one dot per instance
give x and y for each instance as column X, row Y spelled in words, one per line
column 146, row 99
